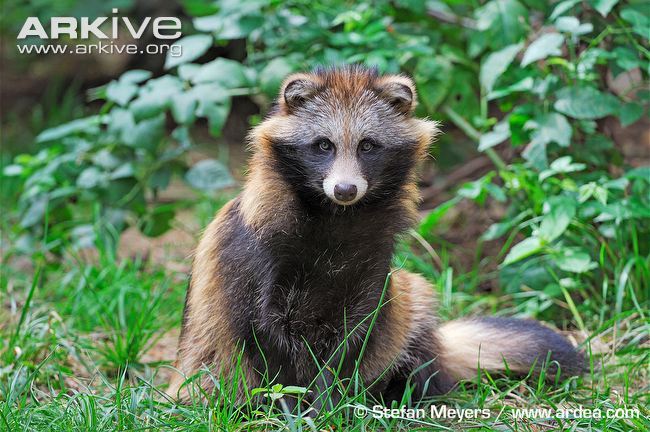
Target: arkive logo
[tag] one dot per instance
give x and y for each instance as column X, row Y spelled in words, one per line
column 83, row 28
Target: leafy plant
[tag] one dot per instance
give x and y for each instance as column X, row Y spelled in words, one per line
column 565, row 209
column 109, row 167
column 509, row 75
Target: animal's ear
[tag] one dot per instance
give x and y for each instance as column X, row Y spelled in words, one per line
column 399, row 92
column 296, row 90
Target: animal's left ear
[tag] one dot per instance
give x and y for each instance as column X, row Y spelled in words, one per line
column 399, row 91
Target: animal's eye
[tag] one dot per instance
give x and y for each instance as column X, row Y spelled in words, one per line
column 366, row 145
column 325, row 145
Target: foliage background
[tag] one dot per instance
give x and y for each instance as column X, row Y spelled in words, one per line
column 536, row 201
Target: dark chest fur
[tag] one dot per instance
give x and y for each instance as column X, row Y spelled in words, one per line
column 308, row 287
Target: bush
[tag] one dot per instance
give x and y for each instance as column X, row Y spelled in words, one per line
column 524, row 72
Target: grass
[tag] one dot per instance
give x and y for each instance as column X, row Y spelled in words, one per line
column 86, row 344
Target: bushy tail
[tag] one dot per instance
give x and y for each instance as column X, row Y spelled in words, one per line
column 497, row 344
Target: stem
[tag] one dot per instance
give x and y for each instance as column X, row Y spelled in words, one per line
column 471, row 132
column 630, row 36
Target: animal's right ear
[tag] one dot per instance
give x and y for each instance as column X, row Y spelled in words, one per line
column 296, row 90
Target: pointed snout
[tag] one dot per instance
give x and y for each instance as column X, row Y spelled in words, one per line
column 344, row 183
column 345, row 191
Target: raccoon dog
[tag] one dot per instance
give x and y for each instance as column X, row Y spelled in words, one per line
column 295, row 273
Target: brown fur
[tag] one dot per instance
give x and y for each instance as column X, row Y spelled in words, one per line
column 206, row 339
column 412, row 301
column 270, row 211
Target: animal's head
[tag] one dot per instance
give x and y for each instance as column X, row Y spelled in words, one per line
column 346, row 136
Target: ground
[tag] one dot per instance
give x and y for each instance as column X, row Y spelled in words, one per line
column 93, row 338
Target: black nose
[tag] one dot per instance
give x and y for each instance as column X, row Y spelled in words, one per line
column 345, row 192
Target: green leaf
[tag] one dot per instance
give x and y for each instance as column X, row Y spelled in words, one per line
column 12, row 170
column 496, row 230
column 186, row 71
column 504, row 21
column 561, row 165
column 617, row 184
column 585, row 103
column 499, row 134
column 472, row 190
column 598, row 149
column 259, row 390
column 121, row 123
column 546, row 45
column 535, row 155
column 624, row 210
column 88, row 125
column 83, row 236
column 642, row 173
column 213, row 104
column 232, row 22
column 294, row 390
column 105, row 159
column 92, row 177
column 499, row 229
column 592, row 189
column 183, row 106
column 147, row 105
column 35, row 213
column 135, row 76
column 206, row 94
column 190, row 48
column 563, row 7
column 557, row 220
column 121, row 92
column 496, row 64
column 228, row 73
column 524, row 249
column 147, row 133
column 158, row 221
column 626, row 58
column 477, row 190
column 463, row 96
column 273, row 74
column 640, row 22
column 573, row 26
column 216, row 115
column 155, row 96
column 574, row 260
column 182, row 135
column 589, row 59
column 532, row 273
column 604, row 7
column 160, row 178
column 433, row 76
column 210, row 23
column 552, row 127
column 630, row 113
column 496, row 192
column 565, row 165
column 209, row 175
column 124, row 171
column 429, row 222
column 523, row 85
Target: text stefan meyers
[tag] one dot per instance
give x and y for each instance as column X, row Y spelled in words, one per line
column 435, row 411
